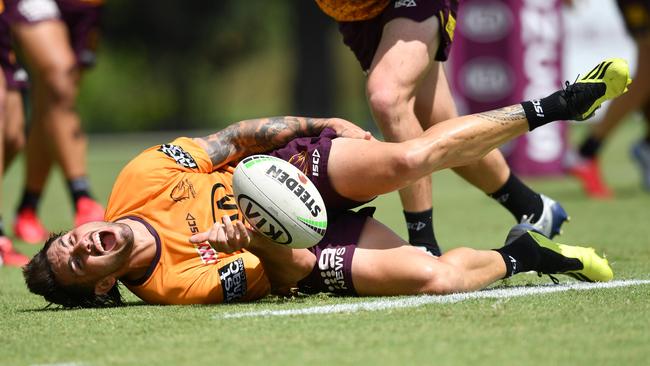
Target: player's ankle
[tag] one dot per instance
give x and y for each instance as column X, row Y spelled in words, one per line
column 546, row 110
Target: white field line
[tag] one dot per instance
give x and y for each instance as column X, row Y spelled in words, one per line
column 415, row 301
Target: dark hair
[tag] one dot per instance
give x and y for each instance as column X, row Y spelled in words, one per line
column 40, row 280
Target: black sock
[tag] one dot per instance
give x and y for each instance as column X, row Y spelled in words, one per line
column 590, row 147
column 420, row 227
column 522, row 255
column 78, row 187
column 542, row 111
column 2, row 227
column 519, row 199
column 30, row 200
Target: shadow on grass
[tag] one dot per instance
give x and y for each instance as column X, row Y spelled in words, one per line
column 573, row 195
column 298, row 298
column 57, row 308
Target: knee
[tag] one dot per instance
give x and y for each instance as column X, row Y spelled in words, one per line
column 386, row 100
column 442, row 281
column 60, row 84
column 14, row 142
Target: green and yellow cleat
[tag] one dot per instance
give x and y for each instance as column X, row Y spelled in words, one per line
column 578, row 262
column 606, row 81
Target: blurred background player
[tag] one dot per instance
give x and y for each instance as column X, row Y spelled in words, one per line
column 636, row 14
column 401, row 45
column 8, row 256
column 57, row 41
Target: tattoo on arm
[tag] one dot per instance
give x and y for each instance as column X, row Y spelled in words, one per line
column 504, row 115
column 258, row 136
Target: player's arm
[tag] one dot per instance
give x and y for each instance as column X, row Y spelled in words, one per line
column 261, row 135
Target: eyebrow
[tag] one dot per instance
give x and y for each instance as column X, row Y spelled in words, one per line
column 70, row 267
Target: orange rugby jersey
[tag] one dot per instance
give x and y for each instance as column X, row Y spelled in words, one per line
column 172, row 188
column 352, row 10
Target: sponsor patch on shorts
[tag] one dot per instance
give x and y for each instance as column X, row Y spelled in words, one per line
column 331, row 265
column 233, row 280
column 177, row 153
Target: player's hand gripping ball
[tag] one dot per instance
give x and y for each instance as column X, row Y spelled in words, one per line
column 279, row 201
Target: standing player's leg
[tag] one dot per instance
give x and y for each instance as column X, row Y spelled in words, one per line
column 491, row 174
column 403, row 59
column 585, row 167
column 8, row 256
column 55, row 78
column 14, row 131
column 641, row 149
column 38, row 163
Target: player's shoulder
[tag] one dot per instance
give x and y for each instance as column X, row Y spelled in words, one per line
column 182, row 153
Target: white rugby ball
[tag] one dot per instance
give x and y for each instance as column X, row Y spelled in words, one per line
column 279, row 201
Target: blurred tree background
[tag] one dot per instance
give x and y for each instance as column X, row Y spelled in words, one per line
column 177, row 65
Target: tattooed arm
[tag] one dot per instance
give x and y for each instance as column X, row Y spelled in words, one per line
column 261, row 135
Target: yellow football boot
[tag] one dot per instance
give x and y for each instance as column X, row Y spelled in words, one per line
column 607, row 80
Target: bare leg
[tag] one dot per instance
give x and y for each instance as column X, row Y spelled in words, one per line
column 436, row 104
column 451, row 143
column 383, row 264
column 8, row 255
column 3, row 118
column 38, row 158
column 55, row 76
column 14, row 135
column 402, row 62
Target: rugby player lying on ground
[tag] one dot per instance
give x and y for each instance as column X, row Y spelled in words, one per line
column 172, row 233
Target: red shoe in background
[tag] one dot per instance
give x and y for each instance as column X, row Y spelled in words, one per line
column 88, row 210
column 9, row 256
column 28, row 227
column 588, row 172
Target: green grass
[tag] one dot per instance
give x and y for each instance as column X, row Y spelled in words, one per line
column 598, row 327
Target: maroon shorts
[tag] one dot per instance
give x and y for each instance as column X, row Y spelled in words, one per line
column 15, row 75
column 333, row 269
column 81, row 18
column 311, row 156
column 363, row 36
column 636, row 14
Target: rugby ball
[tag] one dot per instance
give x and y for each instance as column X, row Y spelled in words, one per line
column 279, row 201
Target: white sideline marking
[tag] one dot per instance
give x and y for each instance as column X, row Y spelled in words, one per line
column 415, row 301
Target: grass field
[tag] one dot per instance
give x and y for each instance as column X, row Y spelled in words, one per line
column 574, row 326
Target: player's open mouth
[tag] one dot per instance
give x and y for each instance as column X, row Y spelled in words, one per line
column 106, row 240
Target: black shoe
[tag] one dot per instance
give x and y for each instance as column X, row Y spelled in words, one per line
column 578, row 262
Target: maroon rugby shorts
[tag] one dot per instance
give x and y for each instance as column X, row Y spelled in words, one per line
column 311, row 156
column 333, row 270
column 82, row 18
column 363, row 37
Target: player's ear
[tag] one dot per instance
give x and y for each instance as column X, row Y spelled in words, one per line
column 104, row 285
